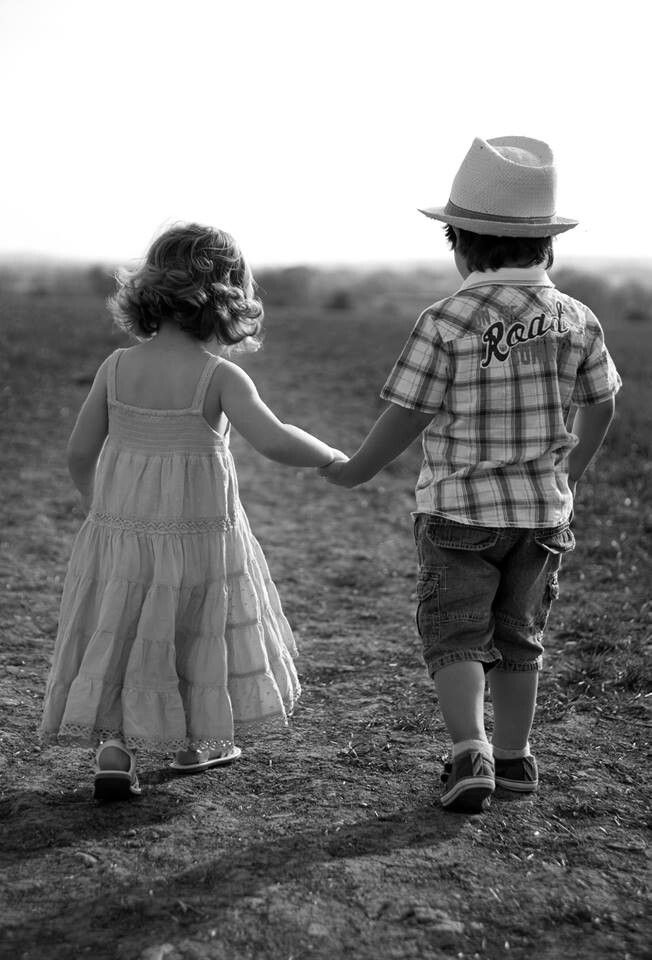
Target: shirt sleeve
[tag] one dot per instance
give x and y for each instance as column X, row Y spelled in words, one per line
column 419, row 378
column 597, row 378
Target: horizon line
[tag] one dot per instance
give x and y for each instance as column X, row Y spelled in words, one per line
column 36, row 259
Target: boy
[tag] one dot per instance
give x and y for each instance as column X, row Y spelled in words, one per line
column 489, row 376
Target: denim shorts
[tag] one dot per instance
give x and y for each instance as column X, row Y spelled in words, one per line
column 484, row 593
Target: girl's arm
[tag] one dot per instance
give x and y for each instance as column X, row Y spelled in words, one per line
column 391, row 434
column 88, row 436
column 590, row 425
column 278, row 441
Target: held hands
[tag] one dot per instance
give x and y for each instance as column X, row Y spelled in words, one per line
column 335, row 471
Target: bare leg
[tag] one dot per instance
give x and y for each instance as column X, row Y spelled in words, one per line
column 115, row 775
column 460, row 689
column 111, row 758
column 514, row 695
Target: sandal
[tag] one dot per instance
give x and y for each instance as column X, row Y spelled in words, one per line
column 116, row 784
column 201, row 765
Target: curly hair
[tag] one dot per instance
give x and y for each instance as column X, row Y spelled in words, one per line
column 483, row 252
column 193, row 276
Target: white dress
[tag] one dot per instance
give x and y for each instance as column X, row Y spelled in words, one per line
column 171, row 631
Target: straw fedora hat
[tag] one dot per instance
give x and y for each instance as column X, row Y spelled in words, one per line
column 505, row 188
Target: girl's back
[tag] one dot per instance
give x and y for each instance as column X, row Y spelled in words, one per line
column 163, row 467
column 160, row 374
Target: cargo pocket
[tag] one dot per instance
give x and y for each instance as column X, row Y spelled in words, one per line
column 550, row 594
column 556, row 544
column 428, row 611
column 552, row 588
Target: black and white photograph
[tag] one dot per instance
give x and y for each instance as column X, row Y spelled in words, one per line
column 325, row 480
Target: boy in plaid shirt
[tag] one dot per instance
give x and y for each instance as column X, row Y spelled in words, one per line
column 490, row 377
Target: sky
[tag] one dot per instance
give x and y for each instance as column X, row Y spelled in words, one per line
column 311, row 130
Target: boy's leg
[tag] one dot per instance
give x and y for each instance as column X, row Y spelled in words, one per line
column 469, row 778
column 458, row 579
column 460, row 689
column 528, row 587
column 513, row 694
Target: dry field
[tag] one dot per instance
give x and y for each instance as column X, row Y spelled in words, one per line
column 326, row 842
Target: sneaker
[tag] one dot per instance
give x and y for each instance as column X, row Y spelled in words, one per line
column 468, row 782
column 520, row 775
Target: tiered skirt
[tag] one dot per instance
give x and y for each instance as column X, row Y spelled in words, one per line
column 171, row 635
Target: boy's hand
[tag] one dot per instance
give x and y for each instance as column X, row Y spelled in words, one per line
column 335, row 472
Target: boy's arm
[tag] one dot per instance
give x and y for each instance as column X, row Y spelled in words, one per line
column 415, row 389
column 596, row 385
column 590, row 426
column 391, row 434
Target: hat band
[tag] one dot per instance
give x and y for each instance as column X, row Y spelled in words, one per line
column 455, row 211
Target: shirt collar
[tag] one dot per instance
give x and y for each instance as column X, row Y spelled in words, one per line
column 509, row 276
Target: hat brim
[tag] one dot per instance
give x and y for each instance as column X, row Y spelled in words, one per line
column 501, row 228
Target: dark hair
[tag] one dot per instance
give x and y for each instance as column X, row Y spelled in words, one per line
column 484, row 252
column 195, row 277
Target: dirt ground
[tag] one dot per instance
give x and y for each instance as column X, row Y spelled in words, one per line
column 326, row 841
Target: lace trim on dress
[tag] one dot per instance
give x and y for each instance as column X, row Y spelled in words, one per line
column 73, row 734
column 178, row 525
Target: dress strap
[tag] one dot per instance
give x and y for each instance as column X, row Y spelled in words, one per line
column 111, row 373
column 202, row 384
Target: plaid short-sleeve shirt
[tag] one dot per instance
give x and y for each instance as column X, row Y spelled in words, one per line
column 499, row 365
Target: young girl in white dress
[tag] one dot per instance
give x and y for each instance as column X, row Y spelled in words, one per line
column 171, row 631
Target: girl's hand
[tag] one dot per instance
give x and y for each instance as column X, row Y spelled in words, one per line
column 337, row 456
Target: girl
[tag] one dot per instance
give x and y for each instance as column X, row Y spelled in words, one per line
column 171, row 629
